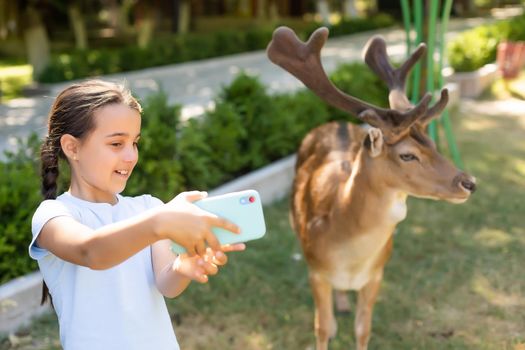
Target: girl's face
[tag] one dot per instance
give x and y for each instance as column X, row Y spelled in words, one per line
column 107, row 156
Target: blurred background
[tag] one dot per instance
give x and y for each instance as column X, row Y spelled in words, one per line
column 216, row 109
column 46, row 41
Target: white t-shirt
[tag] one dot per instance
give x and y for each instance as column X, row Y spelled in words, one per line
column 113, row 309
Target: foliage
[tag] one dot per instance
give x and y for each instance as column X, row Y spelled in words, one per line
column 351, row 78
column 19, row 195
column 158, row 170
column 356, row 25
column 247, row 129
column 13, row 78
column 181, row 48
column 474, row 48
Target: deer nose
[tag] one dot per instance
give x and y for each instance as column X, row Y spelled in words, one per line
column 469, row 185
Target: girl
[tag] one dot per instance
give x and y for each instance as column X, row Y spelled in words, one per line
column 106, row 258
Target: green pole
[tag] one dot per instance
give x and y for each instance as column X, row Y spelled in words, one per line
column 418, row 20
column 444, row 24
column 432, row 129
column 445, row 120
column 406, row 21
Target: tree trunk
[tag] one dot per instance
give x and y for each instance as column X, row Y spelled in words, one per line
column 79, row 27
column 119, row 16
column 36, row 41
column 3, row 19
column 324, row 11
column 349, row 10
column 261, row 9
column 273, row 11
column 145, row 29
column 184, row 17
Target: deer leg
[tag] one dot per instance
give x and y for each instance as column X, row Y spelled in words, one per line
column 366, row 298
column 325, row 324
column 342, row 305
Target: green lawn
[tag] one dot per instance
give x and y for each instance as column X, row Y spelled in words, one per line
column 455, row 281
column 13, row 77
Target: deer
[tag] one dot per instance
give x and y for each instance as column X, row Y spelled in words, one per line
column 351, row 182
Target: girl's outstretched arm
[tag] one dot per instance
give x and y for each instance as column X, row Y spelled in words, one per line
column 178, row 220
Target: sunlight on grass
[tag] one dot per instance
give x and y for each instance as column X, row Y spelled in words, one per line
column 13, row 79
column 480, row 125
column 520, row 166
column 493, row 237
column 502, row 88
column 481, row 285
column 16, row 71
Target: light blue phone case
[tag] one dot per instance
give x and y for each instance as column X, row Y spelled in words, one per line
column 242, row 208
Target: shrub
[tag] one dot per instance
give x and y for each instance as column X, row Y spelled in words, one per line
column 474, row 48
column 352, row 79
column 180, row 48
column 158, row 171
column 19, row 197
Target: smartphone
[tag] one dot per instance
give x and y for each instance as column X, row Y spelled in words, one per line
column 242, row 208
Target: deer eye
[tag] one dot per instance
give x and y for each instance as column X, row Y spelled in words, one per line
column 407, row 157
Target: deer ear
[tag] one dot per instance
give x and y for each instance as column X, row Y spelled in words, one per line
column 375, row 142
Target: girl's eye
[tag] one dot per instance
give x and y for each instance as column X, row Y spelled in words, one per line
column 407, row 157
column 116, row 144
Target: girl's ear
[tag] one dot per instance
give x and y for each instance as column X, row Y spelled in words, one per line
column 70, row 145
column 376, row 142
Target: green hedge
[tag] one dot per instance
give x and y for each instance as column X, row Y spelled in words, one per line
column 474, row 48
column 247, row 129
column 181, row 48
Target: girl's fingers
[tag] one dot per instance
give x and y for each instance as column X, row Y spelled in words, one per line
column 220, row 258
column 200, row 248
column 209, row 268
column 213, row 242
column 190, row 251
column 225, row 224
column 193, row 196
column 237, row 247
column 200, row 276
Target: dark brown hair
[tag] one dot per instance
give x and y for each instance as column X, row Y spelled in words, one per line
column 72, row 113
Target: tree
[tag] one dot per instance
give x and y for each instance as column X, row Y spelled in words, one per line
column 323, row 9
column 76, row 20
column 349, row 9
column 35, row 37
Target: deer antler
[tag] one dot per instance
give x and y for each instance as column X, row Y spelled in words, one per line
column 377, row 59
column 303, row 60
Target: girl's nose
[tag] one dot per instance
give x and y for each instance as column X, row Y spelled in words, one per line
column 130, row 154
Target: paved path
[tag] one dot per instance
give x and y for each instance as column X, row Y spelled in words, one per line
column 195, row 84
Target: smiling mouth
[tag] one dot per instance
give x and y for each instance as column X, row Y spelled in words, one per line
column 122, row 172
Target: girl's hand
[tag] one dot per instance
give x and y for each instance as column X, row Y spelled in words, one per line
column 185, row 223
column 198, row 268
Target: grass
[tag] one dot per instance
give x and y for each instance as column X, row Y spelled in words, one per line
column 511, row 88
column 455, row 280
column 13, row 77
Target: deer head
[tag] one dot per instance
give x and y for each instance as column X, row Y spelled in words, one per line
column 397, row 148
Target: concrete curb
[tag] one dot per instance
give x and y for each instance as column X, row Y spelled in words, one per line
column 472, row 84
column 20, row 301
column 20, row 298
